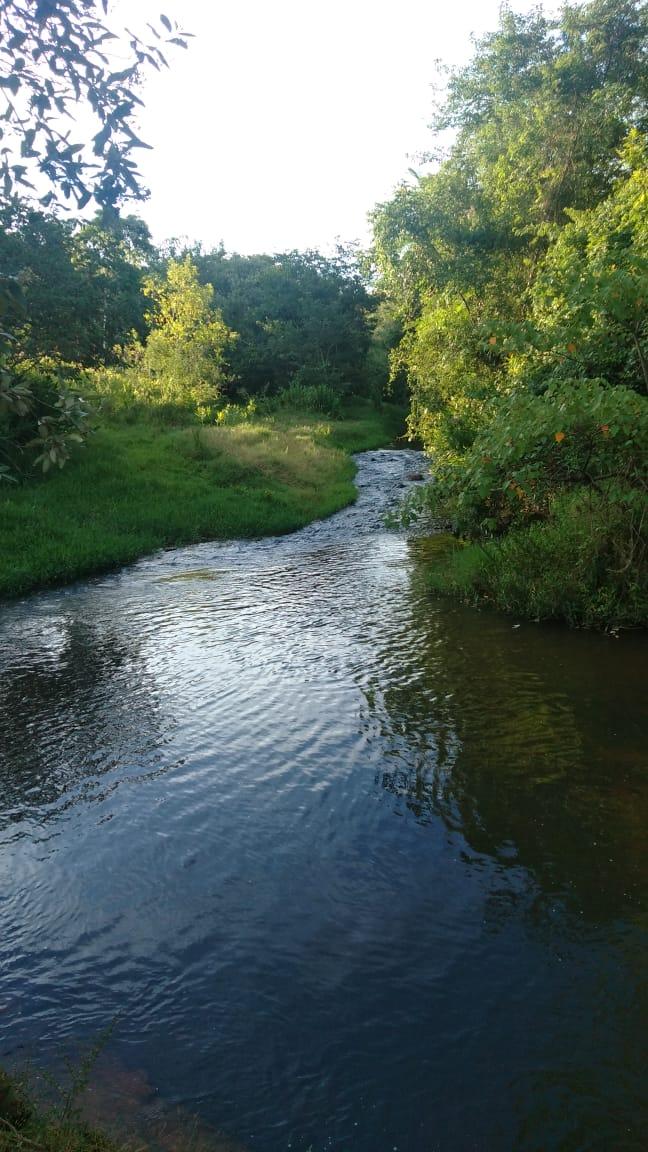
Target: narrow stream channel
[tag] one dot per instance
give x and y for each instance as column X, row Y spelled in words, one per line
column 350, row 867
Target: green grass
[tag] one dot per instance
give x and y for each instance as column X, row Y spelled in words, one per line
column 29, row 1124
column 137, row 487
column 52, row 1135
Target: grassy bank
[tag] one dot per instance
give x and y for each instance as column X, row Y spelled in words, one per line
column 139, row 487
column 39, row 1114
column 24, row 1127
column 567, row 569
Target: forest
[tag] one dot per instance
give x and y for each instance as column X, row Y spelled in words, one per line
column 503, row 302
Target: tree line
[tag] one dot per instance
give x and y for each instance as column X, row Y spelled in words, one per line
column 518, row 268
column 99, row 309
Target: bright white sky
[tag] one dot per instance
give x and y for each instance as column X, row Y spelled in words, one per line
column 286, row 121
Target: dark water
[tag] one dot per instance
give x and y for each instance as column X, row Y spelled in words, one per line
column 356, row 868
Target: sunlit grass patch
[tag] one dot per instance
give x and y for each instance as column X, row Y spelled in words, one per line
column 290, row 455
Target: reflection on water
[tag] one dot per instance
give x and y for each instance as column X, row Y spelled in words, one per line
column 59, row 715
column 357, row 869
column 529, row 741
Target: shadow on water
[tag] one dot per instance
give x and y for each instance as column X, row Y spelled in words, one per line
column 529, row 744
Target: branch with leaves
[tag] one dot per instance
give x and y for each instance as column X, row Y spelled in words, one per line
column 55, row 57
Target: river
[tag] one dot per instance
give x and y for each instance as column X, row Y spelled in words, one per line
column 349, row 868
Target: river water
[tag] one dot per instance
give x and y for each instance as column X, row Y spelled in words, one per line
column 347, row 866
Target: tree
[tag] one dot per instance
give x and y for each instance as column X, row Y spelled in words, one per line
column 540, row 114
column 112, row 256
column 519, row 268
column 36, row 250
column 82, row 285
column 590, row 311
column 55, row 60
column 184, row 356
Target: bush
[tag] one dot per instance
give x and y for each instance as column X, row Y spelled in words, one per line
column 573, row 567
column 311, row 398
column 579, row 434
column 184, row 358
column 230, row 415
column 122, row 394
column 42, row 417
column 555, row 492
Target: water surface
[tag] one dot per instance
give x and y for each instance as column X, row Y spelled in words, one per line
column 353, row 867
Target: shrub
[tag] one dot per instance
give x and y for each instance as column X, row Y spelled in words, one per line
column 42, row 418
column 578, row 434
column 183, row 361
column 573, row 567
column 555, row 491
column 311, row 398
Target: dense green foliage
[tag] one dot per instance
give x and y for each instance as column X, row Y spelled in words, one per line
column 59, row 294
column 82, row 283
column 70, row 294
column 301, row 318
column 293, row 330
column 520, row 270
column 183, row 360
column 190, row 334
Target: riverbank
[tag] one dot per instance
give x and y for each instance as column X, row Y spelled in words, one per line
column 139, row 487
column 84, row 1115
column 562, row 570
column 24, row 1127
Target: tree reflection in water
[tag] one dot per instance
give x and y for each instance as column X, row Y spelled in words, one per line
column 528, row 745
column 76, row 703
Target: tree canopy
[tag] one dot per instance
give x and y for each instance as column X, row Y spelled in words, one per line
column 300, row 316
column 81, row 282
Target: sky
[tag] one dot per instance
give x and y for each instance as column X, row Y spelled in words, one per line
column 286, row 121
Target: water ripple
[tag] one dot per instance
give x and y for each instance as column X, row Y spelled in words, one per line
column 351, row 867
